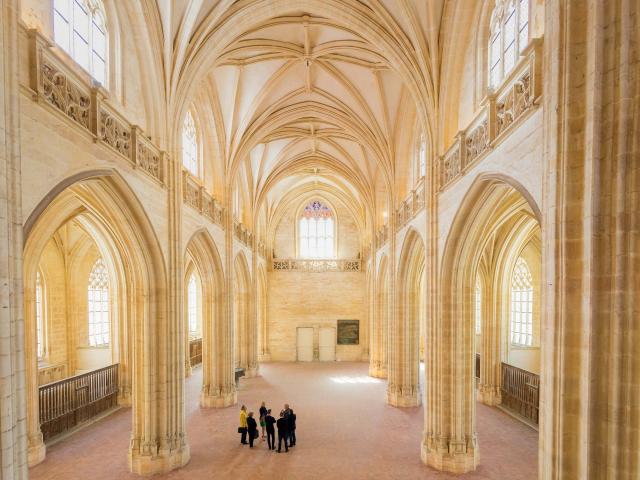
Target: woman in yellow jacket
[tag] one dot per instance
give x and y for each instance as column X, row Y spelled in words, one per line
column 242, row 429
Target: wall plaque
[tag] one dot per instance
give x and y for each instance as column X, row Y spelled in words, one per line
column 348, row 332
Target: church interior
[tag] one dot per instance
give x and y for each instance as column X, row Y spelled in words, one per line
column 417, row 222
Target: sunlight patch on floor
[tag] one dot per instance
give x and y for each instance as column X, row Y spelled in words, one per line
column 362, row 379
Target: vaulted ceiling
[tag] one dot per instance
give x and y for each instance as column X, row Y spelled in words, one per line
column 303, row 93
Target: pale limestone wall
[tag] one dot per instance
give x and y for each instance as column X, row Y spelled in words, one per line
column 299, row 299
column 518, row 157
column 55, row 304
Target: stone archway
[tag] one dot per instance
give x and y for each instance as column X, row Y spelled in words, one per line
column 107, row 207
column 403, row 388
column 245, row 330
column 380, row 332
column 218, row 386
column 450, row 438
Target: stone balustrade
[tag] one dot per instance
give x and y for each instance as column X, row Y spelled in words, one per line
column 317, row 265
column 502, row 110
column 84, row 103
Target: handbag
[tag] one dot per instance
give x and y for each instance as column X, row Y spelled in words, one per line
column 240, row 429
column 255, row 434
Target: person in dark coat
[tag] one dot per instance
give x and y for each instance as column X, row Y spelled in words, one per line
column 282, row 432
column 291, row 427
column 270, row 424
column 252, row 429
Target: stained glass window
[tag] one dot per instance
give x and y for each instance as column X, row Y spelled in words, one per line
column 521, row 305
column 317, row 231
column 190, row 144
column 508, row 37
column 79, row 29
column 98, row 303
column 40, row 318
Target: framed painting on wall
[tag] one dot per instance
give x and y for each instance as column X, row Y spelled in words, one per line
column 348, row 332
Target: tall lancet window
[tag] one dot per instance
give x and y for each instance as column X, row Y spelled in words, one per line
column 190, row 144
column 509, row 35
column 40, row 318
column 317, row 231
column 79, row 28
column 521, row 305
column 422, row 156
column 192, row 306
column 478, row 307
column 98, row 303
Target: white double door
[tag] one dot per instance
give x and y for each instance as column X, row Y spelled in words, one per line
column 326, row 344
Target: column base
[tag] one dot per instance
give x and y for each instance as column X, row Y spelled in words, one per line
column 218, row 401
column 37, row 450
column 188, row 371
column 408, row 396
column 489, row 395
column 450, row 456
column 161, row 463
column 377, row 371
column 124, row 399
column 252, row 371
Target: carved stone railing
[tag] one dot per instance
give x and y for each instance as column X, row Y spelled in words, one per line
column 317, row 266
column 51, row 373
column 502, row 110
column 243, row 234
column 411, row 206
column 84, row 103
column 195, row 195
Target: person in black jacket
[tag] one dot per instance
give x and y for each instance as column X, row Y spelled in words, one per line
column 270, row 424
column 282, row 432
column 252, row 429
column 291, row 427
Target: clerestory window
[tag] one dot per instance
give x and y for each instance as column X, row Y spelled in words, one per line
column 190, row 144
column 79, row 28
column 509, row 35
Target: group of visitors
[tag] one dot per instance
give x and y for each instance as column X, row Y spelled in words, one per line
column 286, row 425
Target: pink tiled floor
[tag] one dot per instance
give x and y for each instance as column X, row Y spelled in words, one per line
column 345, row 431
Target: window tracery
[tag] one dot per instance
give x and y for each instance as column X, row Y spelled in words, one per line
column 79, row 28
column 508, row 37
column 190, row 144
column 317, row 231
column 98, row 303
column 521, row 305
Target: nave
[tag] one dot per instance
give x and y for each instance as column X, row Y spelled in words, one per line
column 345, row 430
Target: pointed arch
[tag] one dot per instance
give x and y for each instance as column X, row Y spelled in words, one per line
column 110, row 210
column 404, row 370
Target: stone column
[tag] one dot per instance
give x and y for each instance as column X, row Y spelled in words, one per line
column 13, row 425
column 490, row 358
column 590, row 413
column 403, row 389
column 159, row 442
